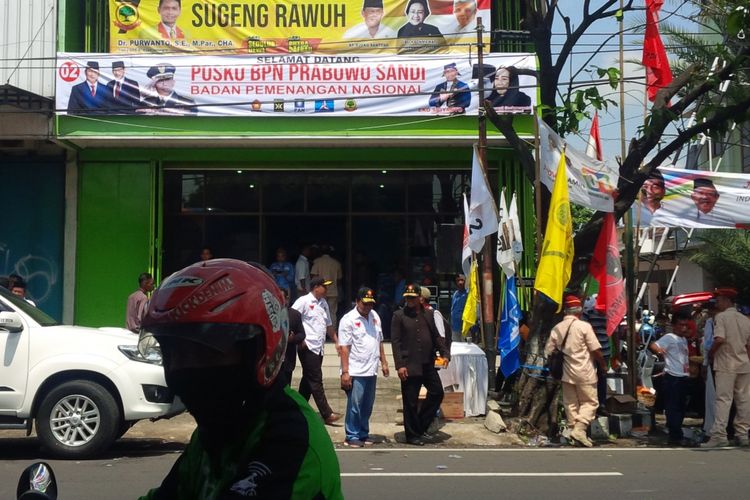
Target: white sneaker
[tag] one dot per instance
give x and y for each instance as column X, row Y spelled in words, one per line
column 715, row 443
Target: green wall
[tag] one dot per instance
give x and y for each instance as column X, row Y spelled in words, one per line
column 115, row 233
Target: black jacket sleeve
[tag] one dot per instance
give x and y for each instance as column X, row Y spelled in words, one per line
column 396, row 341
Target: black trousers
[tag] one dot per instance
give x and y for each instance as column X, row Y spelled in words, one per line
column 418, row 418
column 675, row 401
column 312, row 381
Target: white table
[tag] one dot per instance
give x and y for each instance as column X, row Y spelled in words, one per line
column 468, row 371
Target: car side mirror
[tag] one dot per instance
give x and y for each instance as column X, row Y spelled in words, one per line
column 37, row 481
column 10, row 322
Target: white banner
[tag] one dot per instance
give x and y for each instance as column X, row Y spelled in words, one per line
column 591, row 183
column 674, row 197
column 482, row 209
column 283, row 85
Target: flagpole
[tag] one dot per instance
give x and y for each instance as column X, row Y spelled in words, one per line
column 537, row 187
column 629, row 250
column 488, row 300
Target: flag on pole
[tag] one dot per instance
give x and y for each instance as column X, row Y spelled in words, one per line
column 516, row 225
column 508, row 336
column 658, row 73
column 556, row 262
column 466, row 251
column 471, row 310
column 482, row 219
column 504, row 254
column 606, row 267
column 594, row 148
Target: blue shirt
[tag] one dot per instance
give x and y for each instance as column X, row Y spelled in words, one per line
column 283, row 273
column 458, row 302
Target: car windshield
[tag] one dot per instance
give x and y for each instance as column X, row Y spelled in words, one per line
column 36, row 314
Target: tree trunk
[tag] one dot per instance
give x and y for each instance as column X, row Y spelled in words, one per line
column 538, row 394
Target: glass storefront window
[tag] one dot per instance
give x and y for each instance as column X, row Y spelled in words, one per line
column 233, row 191
column 283, row 192
column 378, row 191
column 328, row 192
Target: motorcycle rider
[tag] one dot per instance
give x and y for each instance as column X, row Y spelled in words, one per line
column 223, row 329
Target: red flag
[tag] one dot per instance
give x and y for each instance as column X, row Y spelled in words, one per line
column 607, row 269
column 594, row 148
column 658, row 73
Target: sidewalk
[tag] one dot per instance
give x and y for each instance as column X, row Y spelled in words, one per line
column 386, row 414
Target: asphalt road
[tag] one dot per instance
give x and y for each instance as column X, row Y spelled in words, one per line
column 135, row 465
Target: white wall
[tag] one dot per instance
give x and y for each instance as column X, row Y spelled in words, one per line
column 27, row 45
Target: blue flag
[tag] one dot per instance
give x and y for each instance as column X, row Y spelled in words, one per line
column 508, row 336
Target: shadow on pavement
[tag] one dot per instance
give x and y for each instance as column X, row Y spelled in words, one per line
column 28, row 448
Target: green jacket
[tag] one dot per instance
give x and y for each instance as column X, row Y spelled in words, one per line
column 285, row 452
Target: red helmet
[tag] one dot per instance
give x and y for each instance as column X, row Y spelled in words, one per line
column 219, row 302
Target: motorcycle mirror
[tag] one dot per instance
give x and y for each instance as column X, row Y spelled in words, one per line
column 37, row 481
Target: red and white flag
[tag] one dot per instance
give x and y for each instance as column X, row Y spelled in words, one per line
column 594, row 148
column 606, row 268
column 658, row 73
column 466, row 251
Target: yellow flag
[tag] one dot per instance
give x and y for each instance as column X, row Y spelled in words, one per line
column 469, row 316
column 556, row 262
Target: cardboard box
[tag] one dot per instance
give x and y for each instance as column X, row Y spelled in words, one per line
column 453, row 405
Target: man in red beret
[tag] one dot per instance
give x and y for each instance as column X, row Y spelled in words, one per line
column 730, row 356
column 577, row 340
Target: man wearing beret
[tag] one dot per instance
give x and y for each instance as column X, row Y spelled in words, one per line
column 730, row 358
column 90, row 96
column 415, row 339
column 372, row 13
column 123, row 93
column 578, row 342
column 361, row 341
column 164, row 97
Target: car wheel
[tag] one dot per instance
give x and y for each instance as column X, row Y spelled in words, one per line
column 78, row 419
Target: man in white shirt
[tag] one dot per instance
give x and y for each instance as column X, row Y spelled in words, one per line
column 316, row 320
column 361, row 341
column 673, row 348
column 302, row 271
column 371, row 28
column 329, row 268
column 463, row 22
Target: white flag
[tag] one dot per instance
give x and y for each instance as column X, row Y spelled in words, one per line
column 516, row 225
column 466, row 251
column 591, row 183
column 505, row 239
column 482, row 220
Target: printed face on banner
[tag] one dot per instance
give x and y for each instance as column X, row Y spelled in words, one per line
column 274, row 85
column 694, row 199
column 294, row 27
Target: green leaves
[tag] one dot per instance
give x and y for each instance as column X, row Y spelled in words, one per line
column 613, row 74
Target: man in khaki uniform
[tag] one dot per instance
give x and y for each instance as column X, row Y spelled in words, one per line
column 581, row 349
column 730, row 353
column 328, row 268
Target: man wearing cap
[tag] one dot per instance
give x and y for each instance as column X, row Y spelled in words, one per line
column 458, row 302
column 90, row 96
column 164, row 98
column 704, row 214
column 577, row 340
column 361, row 341
column 414, row 340
column 372, row 28
column 123, row 93
column 452, row 94
column 730, row 355
column 317, row 323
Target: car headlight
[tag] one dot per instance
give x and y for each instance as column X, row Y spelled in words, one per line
column 150, row 353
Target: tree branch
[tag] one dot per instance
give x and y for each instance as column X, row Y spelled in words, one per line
column 504, row 124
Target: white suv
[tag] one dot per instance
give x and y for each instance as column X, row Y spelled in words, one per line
column 84, row 387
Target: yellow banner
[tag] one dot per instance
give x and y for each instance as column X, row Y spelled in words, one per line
column 296, row 26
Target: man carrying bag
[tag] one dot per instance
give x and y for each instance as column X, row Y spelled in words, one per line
column 577, row 342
